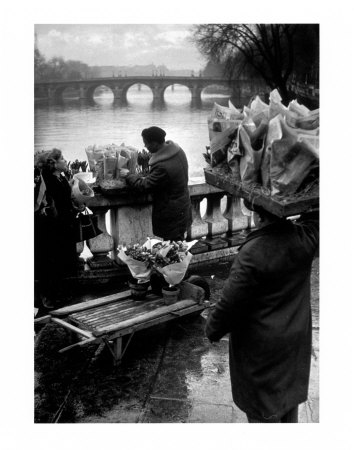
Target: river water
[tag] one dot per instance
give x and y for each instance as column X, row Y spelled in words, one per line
column 75, row 124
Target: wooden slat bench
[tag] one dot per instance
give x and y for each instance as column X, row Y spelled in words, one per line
column 108, row 319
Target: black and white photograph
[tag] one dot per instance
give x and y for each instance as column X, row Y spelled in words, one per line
column 204, row 163
column 172, row 256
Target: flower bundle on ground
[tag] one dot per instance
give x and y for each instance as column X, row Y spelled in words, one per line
column 140, row 253
column 169, row 258
column 168, row 252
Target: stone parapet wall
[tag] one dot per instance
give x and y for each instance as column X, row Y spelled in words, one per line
column 220, row 227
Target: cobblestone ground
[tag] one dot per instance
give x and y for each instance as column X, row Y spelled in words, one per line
column 169, row 374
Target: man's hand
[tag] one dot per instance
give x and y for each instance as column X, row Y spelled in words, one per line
column 123, row 173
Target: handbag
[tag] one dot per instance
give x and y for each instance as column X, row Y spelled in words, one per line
column 86, row 226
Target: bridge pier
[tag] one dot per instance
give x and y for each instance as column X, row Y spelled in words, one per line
column 157, row 92
column 119, row 93
column 196, row 92
column 83, row 92
column 51, row 93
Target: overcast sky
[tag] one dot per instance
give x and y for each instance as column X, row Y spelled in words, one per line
column 121, row 44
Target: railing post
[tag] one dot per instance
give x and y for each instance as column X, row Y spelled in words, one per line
column 233, row 213
column 217, row 224
column 239, row 223
column 101, row 245
column 79, row 250
column 199, row 227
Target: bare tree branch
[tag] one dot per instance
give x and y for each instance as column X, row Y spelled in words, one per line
column 270, row 50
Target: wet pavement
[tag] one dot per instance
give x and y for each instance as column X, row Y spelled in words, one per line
column 169, row 374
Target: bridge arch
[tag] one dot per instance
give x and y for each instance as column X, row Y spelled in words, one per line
column 90, row 90
column 217, row 85
column 170, row 85
column 57, row 92
column 126, row 87
column 64, row 90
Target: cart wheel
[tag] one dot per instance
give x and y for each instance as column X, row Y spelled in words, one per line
column 201, row 282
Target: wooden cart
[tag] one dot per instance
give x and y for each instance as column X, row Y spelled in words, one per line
column 281, row 207
column 107, row 319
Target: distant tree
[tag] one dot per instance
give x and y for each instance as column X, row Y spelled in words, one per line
column 39, row 65
column 271, row 51
column 306, row 53
column 214, row 69
column 76, row 70
column 58, row 69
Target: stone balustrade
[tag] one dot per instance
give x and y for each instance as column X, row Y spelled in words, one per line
column 126, row 219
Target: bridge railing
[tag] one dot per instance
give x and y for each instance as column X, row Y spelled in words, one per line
column 218, row 224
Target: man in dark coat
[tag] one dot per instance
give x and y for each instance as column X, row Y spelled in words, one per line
column 167, row 181
column 265, row 306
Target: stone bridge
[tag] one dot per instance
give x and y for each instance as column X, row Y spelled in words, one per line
column 53, row 90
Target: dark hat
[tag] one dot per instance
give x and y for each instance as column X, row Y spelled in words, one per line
column 251, row 206
column 259, row 209
column 256, row 208
column 154, row 134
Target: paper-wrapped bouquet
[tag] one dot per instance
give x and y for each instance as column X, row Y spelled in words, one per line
column 105, row 162
column 269, row 145
column 81, row 189
column 169, row 258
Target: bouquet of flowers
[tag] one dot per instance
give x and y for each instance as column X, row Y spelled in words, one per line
column 105, row 162
column 138, row 259
column 80, row 190
column 169, row 258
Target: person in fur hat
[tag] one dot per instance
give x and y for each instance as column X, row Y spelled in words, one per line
column 167, row 181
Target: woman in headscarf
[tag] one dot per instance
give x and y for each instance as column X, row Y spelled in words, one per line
column 55, row 247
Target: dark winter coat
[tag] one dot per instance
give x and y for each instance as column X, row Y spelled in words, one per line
column 167, row 181
column 55, row 247
column 265, row 306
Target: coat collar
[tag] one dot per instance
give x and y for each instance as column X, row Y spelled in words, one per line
column 268, row 229
column 167, row 151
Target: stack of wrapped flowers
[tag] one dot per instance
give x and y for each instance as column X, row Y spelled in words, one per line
column 270, row 145
column 169, row 258
column 105, row 161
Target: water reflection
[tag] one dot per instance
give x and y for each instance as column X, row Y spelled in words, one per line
column 158, row 105
column 105, row 101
